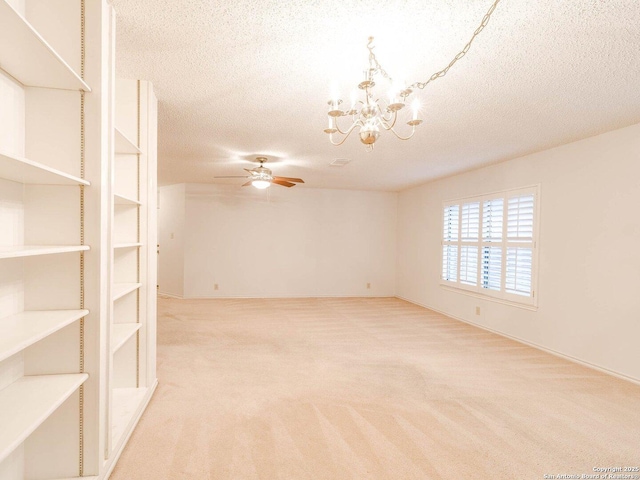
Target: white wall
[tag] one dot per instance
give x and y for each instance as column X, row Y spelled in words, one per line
column 589, row 277
column 288, row 242
column 171, row 214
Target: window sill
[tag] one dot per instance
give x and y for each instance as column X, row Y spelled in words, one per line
column 524, row 306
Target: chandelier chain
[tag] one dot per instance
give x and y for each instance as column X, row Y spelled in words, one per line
column 376, row 65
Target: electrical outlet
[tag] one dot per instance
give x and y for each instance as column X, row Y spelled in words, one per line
column 215, row 286
column 477, row 310
column 368, row 285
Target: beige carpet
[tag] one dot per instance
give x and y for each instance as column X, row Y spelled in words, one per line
column 367, row 389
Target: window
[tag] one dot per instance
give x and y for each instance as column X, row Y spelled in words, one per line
column 489, row 244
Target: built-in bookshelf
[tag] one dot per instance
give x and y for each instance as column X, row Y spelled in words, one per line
column 42, row 249
column 74, row 353
column 132, row 367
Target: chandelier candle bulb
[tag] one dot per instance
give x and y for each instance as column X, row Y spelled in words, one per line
column 334, row 99
column 332, row 128
column 334, row 110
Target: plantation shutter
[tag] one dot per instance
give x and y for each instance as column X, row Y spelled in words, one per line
column 492, row 268
column 519, row 258
column 450, row 263
column 492, row 219
column 469, row 265
column 469, row 236
column 520, row 219
column 451, row 224
column 489, row 245
column 518, row 276
column 470, row 222
column 492, row 223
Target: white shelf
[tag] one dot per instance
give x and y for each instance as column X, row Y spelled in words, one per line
column 125, row 404
column 32, row 250
column 122, row 200
column 123, row 144
column 123, row 332
column 18, row 332
column 23, row 170
column 28, row 58
column 28, row 402
column 121, row 289
column 127, row 245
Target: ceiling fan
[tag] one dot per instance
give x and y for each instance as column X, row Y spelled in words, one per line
column 261, row 177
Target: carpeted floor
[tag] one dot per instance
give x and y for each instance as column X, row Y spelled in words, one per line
column 367, row 389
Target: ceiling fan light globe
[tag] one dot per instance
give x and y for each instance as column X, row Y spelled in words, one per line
column 261, row 184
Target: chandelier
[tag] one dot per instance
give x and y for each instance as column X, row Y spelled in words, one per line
column 371, row 116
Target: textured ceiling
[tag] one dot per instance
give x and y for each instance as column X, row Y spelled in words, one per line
column 238, row 79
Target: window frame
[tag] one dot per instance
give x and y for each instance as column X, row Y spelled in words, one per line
column 501, row 296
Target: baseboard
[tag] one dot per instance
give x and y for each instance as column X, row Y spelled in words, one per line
column 113, row 460
column 285, row 296
column 530, row 344
column 170, row 295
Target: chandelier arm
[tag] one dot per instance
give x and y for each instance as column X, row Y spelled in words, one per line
column 461, row 53
column 347, row 134
column 413, row 130
column 384, row 118
column 385, row 122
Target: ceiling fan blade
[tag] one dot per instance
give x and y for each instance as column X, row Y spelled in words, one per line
column 289, row 179
column 284, row 183
column 232, row 176
column 251, row 172
column 247, row 184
